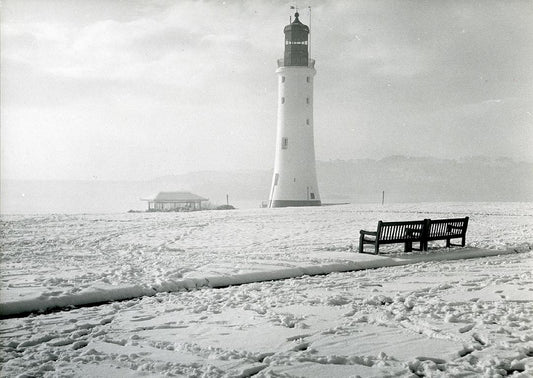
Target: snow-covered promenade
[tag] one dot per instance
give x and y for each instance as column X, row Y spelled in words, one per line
column 461, row 316
column 347, row 263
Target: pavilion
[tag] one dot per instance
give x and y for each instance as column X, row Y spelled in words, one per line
column 175, row 201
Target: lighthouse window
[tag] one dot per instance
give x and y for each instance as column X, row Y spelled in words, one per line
column 276, row 179
column 307, row 100
column 283, row 100
column 307, row 121
column 312, row 195
column 284, row 143
column 283, row 79
column 308, row 79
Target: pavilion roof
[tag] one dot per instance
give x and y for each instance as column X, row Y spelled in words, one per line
column 176, row 197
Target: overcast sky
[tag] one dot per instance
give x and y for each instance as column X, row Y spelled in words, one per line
column 138, row 89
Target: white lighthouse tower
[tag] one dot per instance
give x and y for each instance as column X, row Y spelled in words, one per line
column 294, row 182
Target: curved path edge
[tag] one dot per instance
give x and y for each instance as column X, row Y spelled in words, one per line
column 97, row 296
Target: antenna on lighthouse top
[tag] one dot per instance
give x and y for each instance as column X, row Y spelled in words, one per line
column 309, row 7
column 290, row 17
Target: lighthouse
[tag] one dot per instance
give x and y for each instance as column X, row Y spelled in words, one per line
column 294, row 182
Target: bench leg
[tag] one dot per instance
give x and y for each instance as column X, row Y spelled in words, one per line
column 448, row 242
column 408, row 246
column 463, row 241
column 376, row 249
column 361, row 246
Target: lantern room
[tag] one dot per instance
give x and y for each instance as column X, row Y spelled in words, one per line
column 296, row 43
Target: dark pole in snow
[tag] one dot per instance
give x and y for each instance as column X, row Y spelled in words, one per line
column 227, row 199
column 382, row 198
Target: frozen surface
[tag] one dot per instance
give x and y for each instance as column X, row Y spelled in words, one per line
column 462, row 317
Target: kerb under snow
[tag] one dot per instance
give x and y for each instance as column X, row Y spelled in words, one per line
column 352, row 262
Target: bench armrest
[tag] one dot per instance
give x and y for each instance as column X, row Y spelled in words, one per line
column 363, row 232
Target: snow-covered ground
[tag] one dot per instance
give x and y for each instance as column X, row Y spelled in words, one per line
column 425, row 316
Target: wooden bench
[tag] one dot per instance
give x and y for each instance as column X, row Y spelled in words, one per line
column 446, row 229
column 408, row 232
column 394, row 232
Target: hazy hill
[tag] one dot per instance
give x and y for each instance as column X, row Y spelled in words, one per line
column 425, row 179
column 403, row 179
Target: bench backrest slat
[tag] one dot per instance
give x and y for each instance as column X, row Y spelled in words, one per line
column 388, row 231
column 440, row 227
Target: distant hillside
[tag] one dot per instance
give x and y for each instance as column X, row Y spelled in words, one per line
column 403, row 179
column 426, row 179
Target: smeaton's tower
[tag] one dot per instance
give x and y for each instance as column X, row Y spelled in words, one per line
column 294, row 182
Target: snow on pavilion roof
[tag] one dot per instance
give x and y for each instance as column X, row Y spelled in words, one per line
column 176, row 197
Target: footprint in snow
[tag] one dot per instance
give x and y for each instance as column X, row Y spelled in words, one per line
column 106, row 321
column 140, row 318
column 433, row 359
column 301, row 347
column 80, row 344
column 481, row 340
column 466, row 328
column 298, row 337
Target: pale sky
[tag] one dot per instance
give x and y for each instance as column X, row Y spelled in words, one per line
column 139, row 89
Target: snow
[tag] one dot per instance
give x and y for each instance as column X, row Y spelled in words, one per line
column 446, row 312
